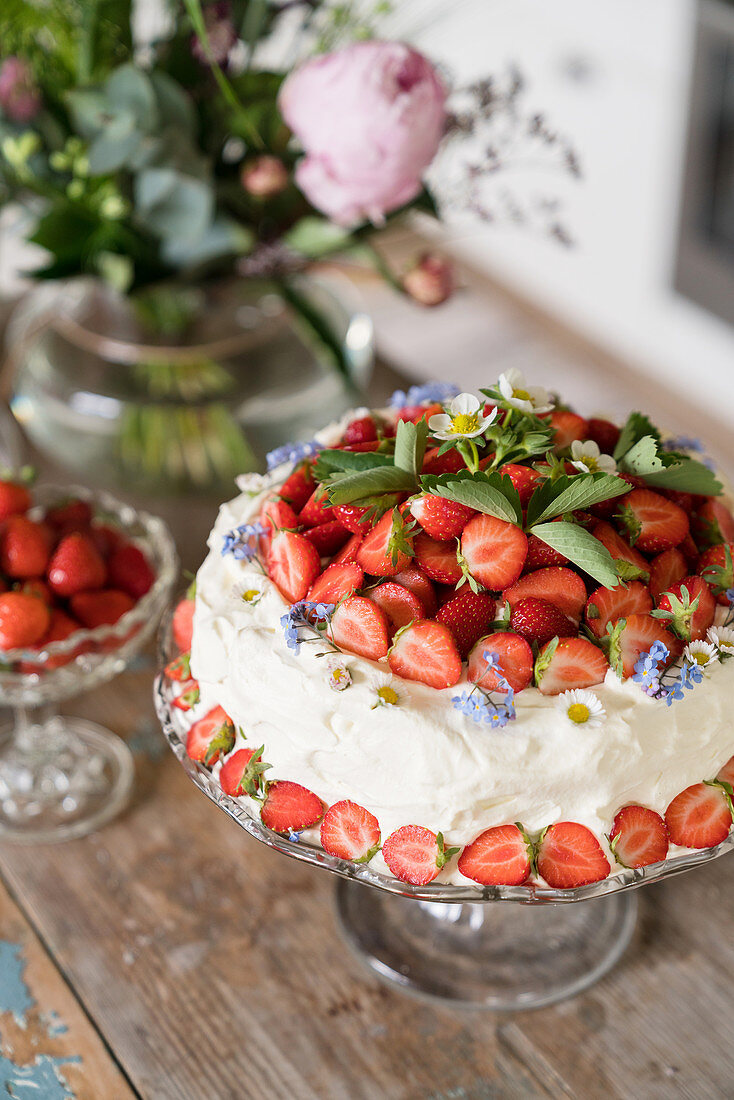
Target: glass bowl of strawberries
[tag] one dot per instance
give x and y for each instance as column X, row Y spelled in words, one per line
column 84, row 579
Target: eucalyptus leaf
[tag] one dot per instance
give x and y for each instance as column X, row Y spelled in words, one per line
column 385, row 479
column 130, row 89
column 174, row 104
column 224, row 237
column 410, row 446
column 315, row 237
column 581, row 548
column 172, row 205
column 493, row 493
column 569, row 494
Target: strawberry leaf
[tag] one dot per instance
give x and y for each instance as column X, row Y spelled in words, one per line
column 636, row 427
column 410, row 446
column 581, row 548
column 570, row 494
column 367, row 483
column 330, row 462
column 491, row 493
column 664, row 470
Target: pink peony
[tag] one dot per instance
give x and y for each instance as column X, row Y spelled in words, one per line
column 370, row 119
column 20, row 99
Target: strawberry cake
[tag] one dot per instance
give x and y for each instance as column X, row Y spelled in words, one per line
column 473, row 639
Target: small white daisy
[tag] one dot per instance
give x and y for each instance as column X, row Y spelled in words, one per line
column 528, row 399
column 581, row 707
column 587, row 458
column 701, row 653
column 339, row 675
column 248, row 592
column 722, row 637
column 464, row 419
column 385, row 693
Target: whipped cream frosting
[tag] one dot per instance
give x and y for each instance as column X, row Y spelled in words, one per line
column 423, row 762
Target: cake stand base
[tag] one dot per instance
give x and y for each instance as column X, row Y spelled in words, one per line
column 497, row 955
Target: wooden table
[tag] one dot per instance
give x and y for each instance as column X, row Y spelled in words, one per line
column 171, row 957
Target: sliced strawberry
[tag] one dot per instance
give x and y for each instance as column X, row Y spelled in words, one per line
column 14, row 499
column 514, row 656
column 620, row 549
column 399, row 604
column 437, row 559
column 359, row 626
column 278, row 514
column 349, row 551
column 415, row 579
column 327, row 537
column 638, row 635
column 568, row 426
column 182, row 624
column 687, row 501
column 541, row 555
column 440, row 518
column 653, row 523
column 415, row 854
column 572, row 663
column 210, row 737
column 666, row 569
column 336, row 582
column 716, row 566
column 348, row 831
column 448, row 463
column 24, row 620
column 188, row 697
column 689, row 550
column 298, row 486
column 712, row 523
column 361, row 430
column 604, row 433
column 494, row 550
column 375, row 555
column 699, row 817
column 293, row 564
column 316, row 510
column 426, row 651
column 415, row 413
column 370, row 445
column 242, row 773
column 75, row 566
column 569, row 855
column 498, row 857
column 539, row 621
column 639, row 837
column 690, row 625
column 353, row 518
column 102, row 607
column 25, row 547
column 524, row 478
column 129, row 570
column 289, row 807
column 468, row 616
column 556, row 584
column 179, row 669
column 607, row 605
column 726, row 774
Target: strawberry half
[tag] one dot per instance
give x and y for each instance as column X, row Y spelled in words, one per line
column 415, row 579
column 726, row 774
column 712, row 523
column 607, row 605
column 426, row 651
column 570, row 663
column 637, row 636
column 336, row 583
column 179, row 669
column 242, row 773
column 375, row 555
column 568, row 426
column 210, row 737
column 359, row 626
column 440, row 518
column 514, row 656
column 716, row 566
column 699, row 817
column 621, row 550
column 24, row 620
column 666, row 569
column 189, row 697
column 653, row 523
column 327, row 537
column 524, row 478
column 639, row 837
column 494, row 551
column 348, row 831
column 293, row 564
column 468, row 616
column 298, row 486
column 25, row 548
column 278, row 514
column 437, row 559
column 556, row 584
column 498, row 857
column 689, row 624
column 353, row 518
column 316, row 510
column 539, row 621
column 289, row 807
column 361, row 430
column 400, row 605
column 415, row 854
column 182, row 624
column 569, row 855
column 349, row 551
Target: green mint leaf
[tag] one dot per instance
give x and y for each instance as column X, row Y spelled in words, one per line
column 569, row 494
column 581, row 548
column 328, row 462
column 410, row 446
column 491, row 493
column 637, row 426
column 384, row 479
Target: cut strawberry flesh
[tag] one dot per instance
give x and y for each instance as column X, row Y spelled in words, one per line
column 415, row 579
column 556, row 584
column 336, row 583
column 568, row 426
column 289, row 807
column 411, row 853
column 619, row 548
column 297, row 488
column 569, row 856
column 607, row 605
column 278, row 514
column 437, row 559
column 703, row 616
column 638, row 636
column 654, row 522
column 359, row 626
column 498, row 857
column 666, row 569
column 348, row 831
column 293, row 564
column 349, row 551
column 399, row 604
column 495, row 551
column 699, row 817
column 426, row 651
column 210, row 736
column 576, row 663
column 514, row 656
column 375, row 555
column 639, row 837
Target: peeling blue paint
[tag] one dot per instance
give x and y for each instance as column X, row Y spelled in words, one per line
column 54, row 1024
column 14, row 995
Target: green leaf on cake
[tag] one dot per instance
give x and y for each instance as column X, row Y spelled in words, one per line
column 491, row 493
column 666, row 470
column 581, row 548
column 329, row 462
column 636, row 428
column 569, row 494
column 353, row 487
column 410, row 446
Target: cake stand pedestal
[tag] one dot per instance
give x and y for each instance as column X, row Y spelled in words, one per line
column 483, row 954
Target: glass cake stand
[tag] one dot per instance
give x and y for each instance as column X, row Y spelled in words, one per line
column 504, row 947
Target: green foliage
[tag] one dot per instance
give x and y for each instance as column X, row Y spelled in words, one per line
column 570, row 494
column 581, row 548
column 491, row 493
column 639, row 452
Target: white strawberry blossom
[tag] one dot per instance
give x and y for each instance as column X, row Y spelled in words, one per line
column 722, row 637
column 581, row 707
column 587, row 458
column 464, row 419
column 701, row 653
column 517, row 394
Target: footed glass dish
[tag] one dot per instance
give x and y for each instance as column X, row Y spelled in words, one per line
column 463, row 945
column 62, row 777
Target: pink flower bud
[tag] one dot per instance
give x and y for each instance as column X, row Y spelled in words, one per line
column 264, row 177
column 431, row 281
column 20, row 99
column 220, row 33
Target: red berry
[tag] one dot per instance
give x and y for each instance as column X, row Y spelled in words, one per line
column 414, row 854
column 102, row 607
column 61, row 627
column 289, row 807
column 619, row 548
column 514, row 656
column 568, row 426
column 524, row 478
column 440, row 518
column 653, row 522
column 188, row 697
column 399, row 604
column 608, row 605
column 639, row 837
column 348, row 831
column 448, row 463
column 726, row 774
column 293, row 564
column 539, row 621
column 693, row 625
column 437, row 559
column 359, row 626
column 210, row 736
column 699, row 817
column 361, row 430
column 73, row 515
column 716, row 570
column 541, row 555
column 335, row 583
column 179, row 669
column 712, row 523
column 182, row 624
column 239, row 774
column 639, row 633
column 494, row 551
column 14, row 499
column 604, row 434
column 574, row 663
column 353, row 518
column 298, row 486
column 24, row 620
column 76, row 566
column 316, row 510
column 375, row 555
column 349, row 551
column 666, row 569
column 327, row 537
column 129, row 569
column 569, row 855
column 498, row 857
column 278, row 515
column 34, row 586
column 468, row 616
column 555, row 584
column 25, row 549
column 415, row 579
column 426, row 651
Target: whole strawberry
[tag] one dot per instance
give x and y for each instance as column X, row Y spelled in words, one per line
column 539, row 621
column 76, row 565
column 441, row 519
column 130, row 570
column 24, row 620
column 468, row 616
column 14, row 499
column 25, row 548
